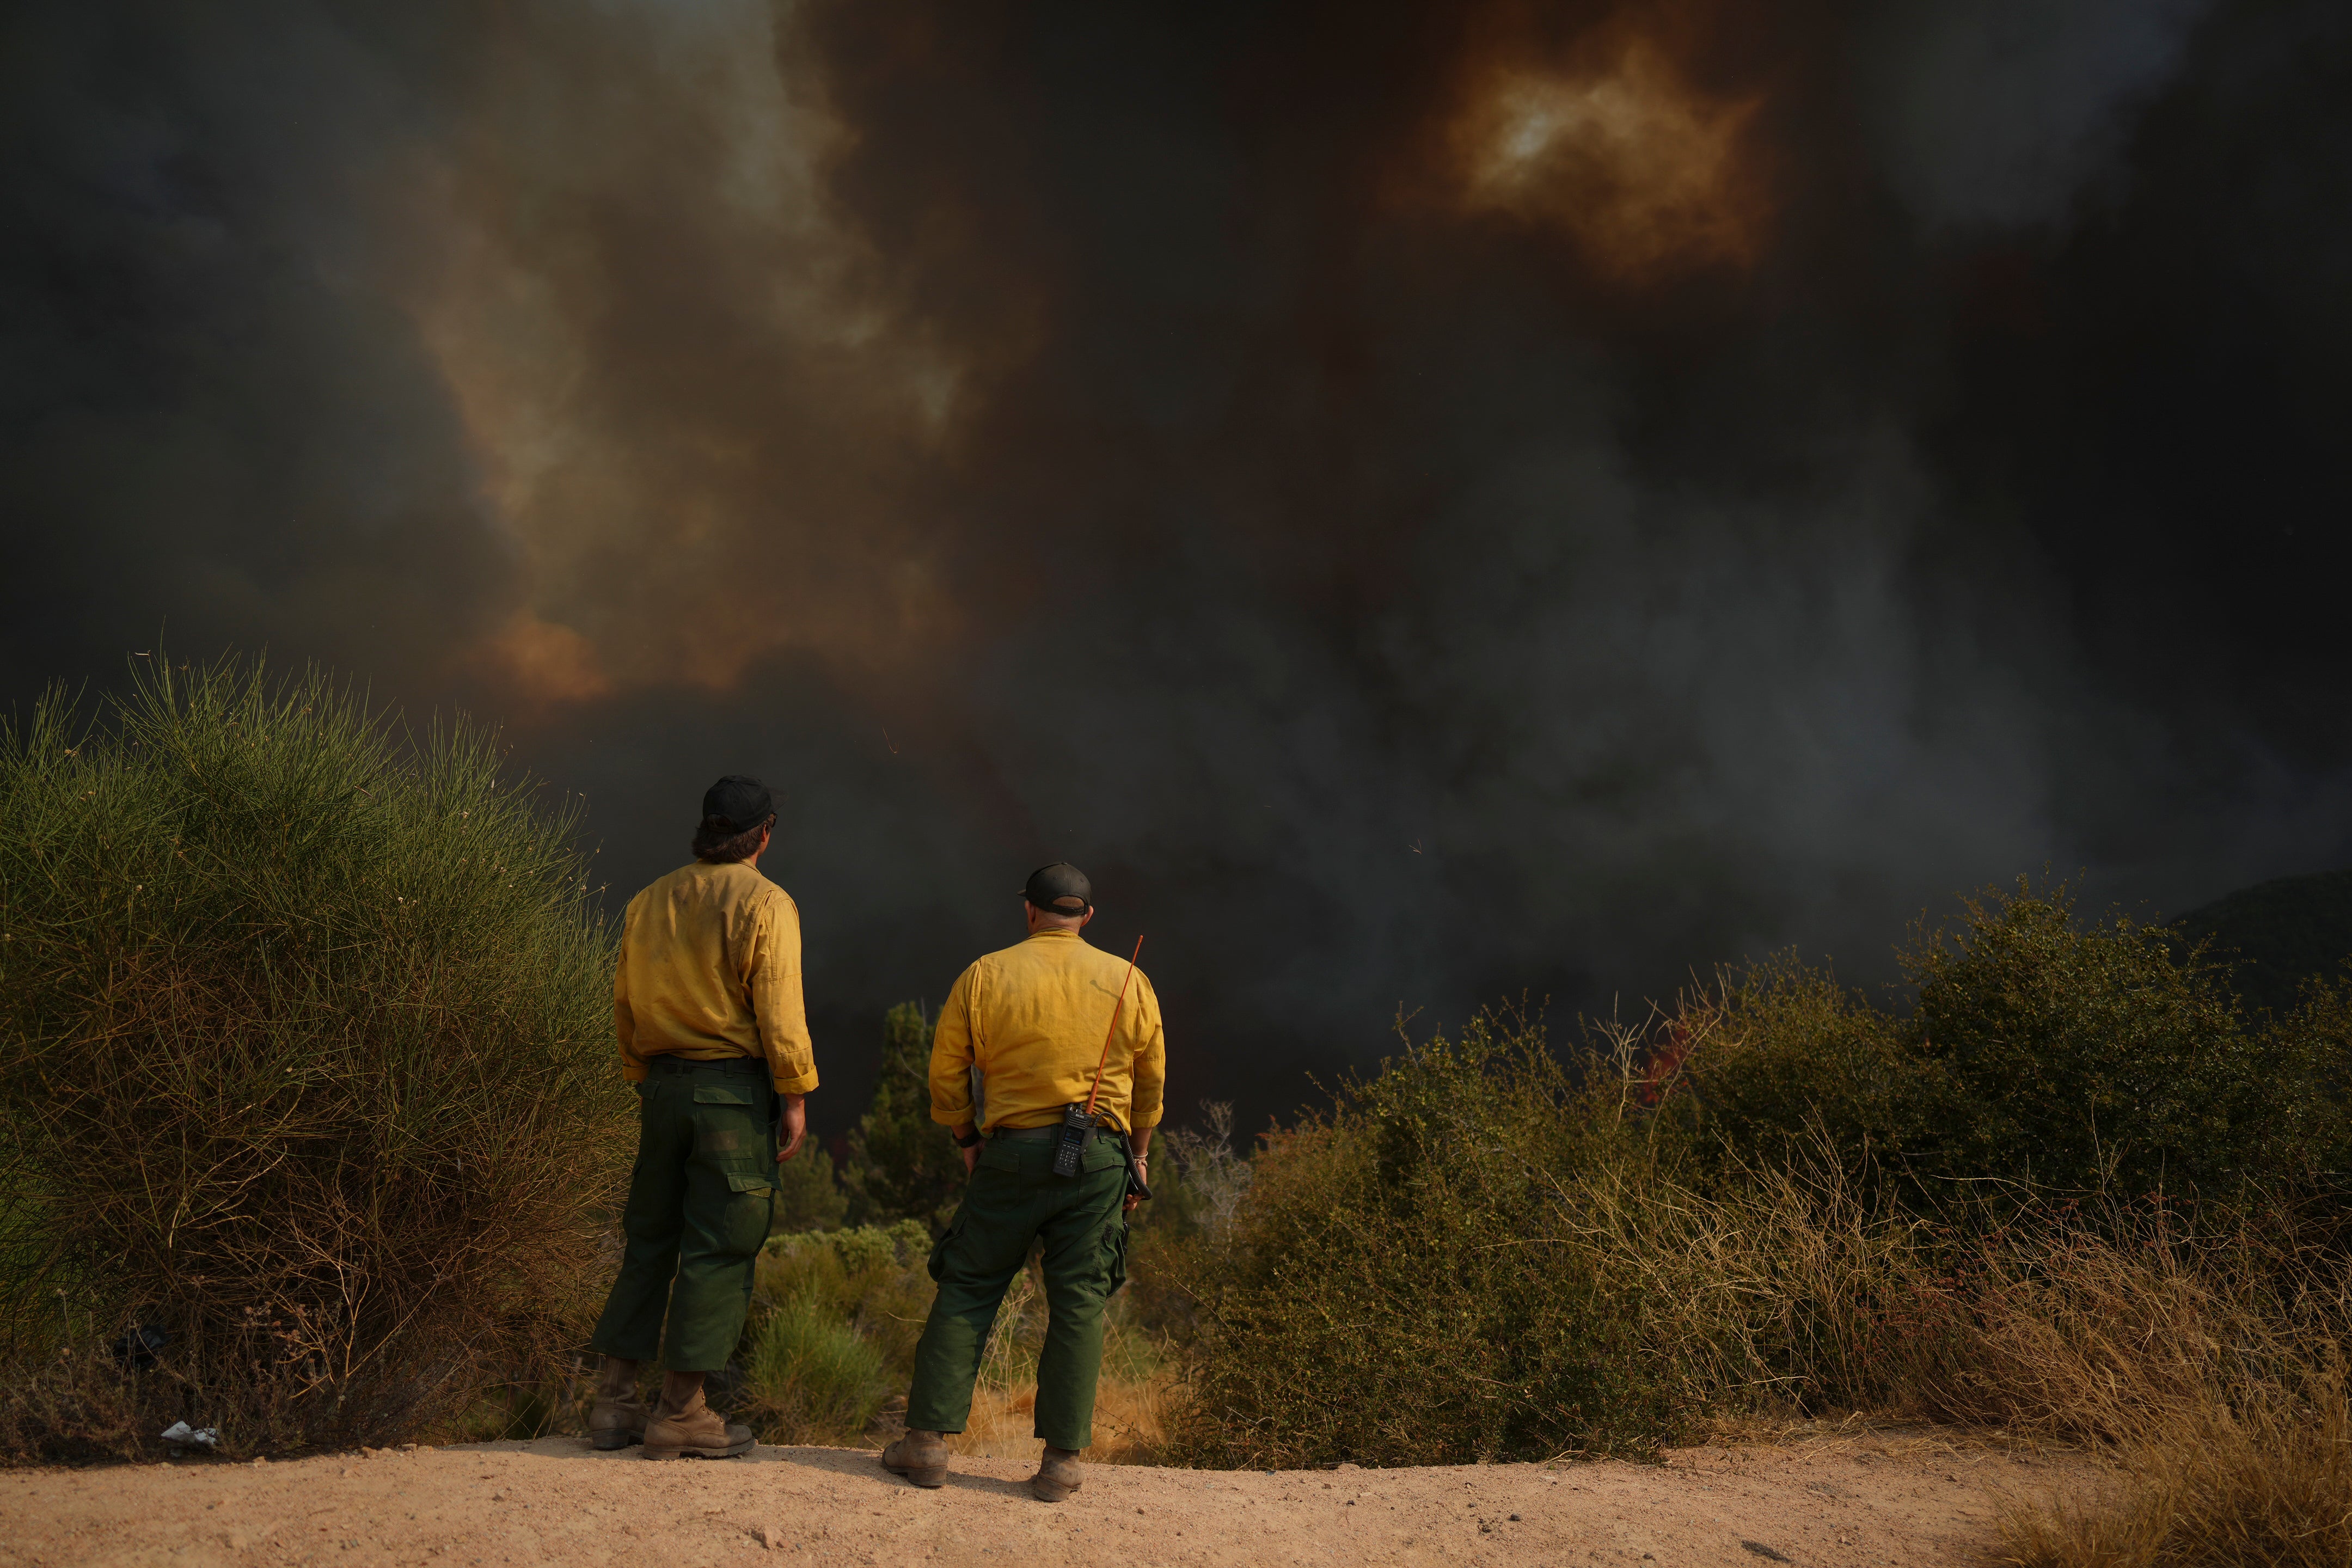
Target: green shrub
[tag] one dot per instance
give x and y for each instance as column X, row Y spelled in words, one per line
column 870, row 1279
column 2042, row 1057
column 1484, row 1254
column 2085, row 1059
column 883, row 1248
column 306, row 1051
column 1398, row 1291
column 809, row 1375
column 1784, row 1063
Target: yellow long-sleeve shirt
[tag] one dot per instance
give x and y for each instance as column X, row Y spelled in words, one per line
column 710, row 969
column 1031, row 1019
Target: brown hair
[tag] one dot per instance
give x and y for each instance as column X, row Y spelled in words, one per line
column 718, row 842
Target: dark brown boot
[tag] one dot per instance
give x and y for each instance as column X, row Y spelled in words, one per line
column 696, row 1431
column 616, row 1421
column 920, row 1457
column 1056, row 1477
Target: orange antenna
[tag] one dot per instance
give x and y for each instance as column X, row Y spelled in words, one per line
column 1115, row 1007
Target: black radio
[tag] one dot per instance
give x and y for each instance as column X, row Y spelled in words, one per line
column 1077, row 1126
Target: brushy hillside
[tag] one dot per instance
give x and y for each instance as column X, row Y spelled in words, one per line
column 311, row 1122
column 2279, row 936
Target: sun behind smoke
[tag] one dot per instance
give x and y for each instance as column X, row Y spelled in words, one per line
column 1645, row 174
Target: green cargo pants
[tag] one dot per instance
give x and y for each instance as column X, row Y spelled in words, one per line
column 1014, row 1198
column 700, row 1199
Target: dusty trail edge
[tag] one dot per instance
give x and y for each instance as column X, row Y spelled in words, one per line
column 1879, row 1498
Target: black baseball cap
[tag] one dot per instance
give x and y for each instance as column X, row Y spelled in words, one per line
column 1060, row 888
column 737, row 804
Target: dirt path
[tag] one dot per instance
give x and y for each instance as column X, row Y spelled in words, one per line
column 1867, row 1501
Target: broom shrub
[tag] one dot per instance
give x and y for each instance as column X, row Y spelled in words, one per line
column 310, row 1131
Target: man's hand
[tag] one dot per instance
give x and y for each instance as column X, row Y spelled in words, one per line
column 971, row 1155
column 1141, row 1143
column 792, row 1125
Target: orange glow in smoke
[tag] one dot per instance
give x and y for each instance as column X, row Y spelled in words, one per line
column 1644, row 174
column 544, row 662
column 695, row 418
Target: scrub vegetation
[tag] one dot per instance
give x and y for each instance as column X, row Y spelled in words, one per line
column 310, row 1129
column 2073, row 1192
column 311, row 1137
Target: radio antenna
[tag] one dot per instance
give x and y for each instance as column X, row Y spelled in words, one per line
column 1115, row 1007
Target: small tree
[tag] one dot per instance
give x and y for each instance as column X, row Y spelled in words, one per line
column 902, row 1164
column 810, row 1198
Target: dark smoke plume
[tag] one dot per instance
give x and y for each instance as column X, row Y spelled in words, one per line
column 1423, row 502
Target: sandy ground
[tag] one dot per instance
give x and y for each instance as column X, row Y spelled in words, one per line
column 1872, row 1500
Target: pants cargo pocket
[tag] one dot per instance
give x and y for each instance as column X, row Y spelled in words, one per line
column 939, row 1248
column 751, row 1210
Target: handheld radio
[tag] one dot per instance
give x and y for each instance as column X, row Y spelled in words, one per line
column 1078, row 1121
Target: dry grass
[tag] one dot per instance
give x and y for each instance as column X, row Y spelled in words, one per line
column 1130, row 1422
column 1130, row 1402
column 2268, row 1484
column 2204, row 1373
column 2209, row 1375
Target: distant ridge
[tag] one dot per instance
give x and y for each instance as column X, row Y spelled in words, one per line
column 2279, row 933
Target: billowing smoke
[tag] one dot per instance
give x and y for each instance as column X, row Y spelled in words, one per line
column 2004, row 113
column 1423, row 502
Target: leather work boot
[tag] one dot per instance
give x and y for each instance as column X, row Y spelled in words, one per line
column 920, row 1457
column 1056, row 1477
column 615, row 1422
column 697, row 1430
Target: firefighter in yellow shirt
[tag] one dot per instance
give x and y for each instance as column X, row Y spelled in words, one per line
column 707, row 1002
column 1031, row 1020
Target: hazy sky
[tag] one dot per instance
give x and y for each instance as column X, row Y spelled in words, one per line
column 1424, row 503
